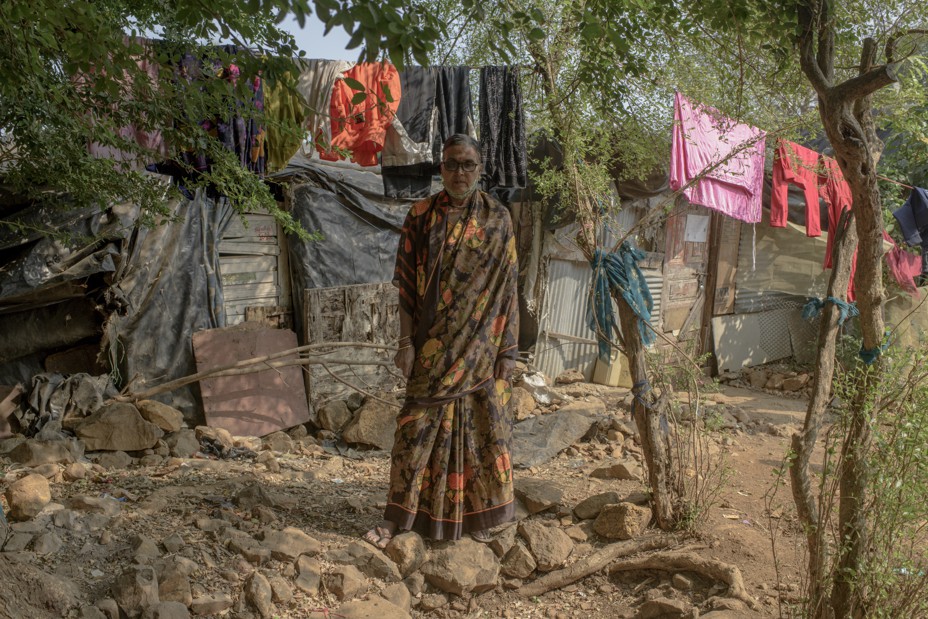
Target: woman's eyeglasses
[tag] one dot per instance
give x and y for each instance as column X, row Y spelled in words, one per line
column 453, row 166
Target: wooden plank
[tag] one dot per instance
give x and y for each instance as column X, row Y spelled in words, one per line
column 250, row 278
column 247, row 264
column 238, row 306
column 729, row 246
column 254, row 404
column 249, row 248
column 365, row 313
column 260, row 227
column 251, row 291
column 274, row 316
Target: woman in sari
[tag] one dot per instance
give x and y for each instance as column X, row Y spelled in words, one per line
column 456, row 269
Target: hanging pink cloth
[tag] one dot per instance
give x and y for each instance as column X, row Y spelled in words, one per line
column 837, row 195
column 797, row 165
column 703, row 139
column 903, row 266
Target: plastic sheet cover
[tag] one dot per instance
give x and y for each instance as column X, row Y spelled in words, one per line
column 359, row 226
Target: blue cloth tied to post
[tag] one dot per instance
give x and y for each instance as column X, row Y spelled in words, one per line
column 814, row 307
column 618, row 272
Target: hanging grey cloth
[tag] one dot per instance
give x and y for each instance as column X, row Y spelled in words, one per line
column 502, row 128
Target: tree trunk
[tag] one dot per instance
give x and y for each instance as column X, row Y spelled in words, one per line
column 804, row 444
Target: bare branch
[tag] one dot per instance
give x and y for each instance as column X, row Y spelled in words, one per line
column 890, row 49
column 807, row 57
column 867, row 83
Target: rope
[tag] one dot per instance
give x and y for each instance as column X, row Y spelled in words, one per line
column 618, row 272
column 813, row 308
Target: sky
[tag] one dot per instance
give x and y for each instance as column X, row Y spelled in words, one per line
column 310, row 40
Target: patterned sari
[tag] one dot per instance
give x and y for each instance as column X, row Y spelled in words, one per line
column 451, row 470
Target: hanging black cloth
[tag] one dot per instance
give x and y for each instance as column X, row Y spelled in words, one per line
column 455, row 107
column 502, row 128
column 407, row 162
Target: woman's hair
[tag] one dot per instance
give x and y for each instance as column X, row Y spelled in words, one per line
column 461, row 139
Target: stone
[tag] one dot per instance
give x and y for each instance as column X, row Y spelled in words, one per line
column 796, row 382
column 368, row 560
column 114, row 460
column 758, row 378
column 540, row 439
column 221, row 436
column 33, row 453
column 17, row 542
column 259, row 595
column 569, row 377
column 183, row 443
column 252, row 496
column 252, row 443
column 638, row 497
column 281, row 590
column 522, row 404
column 211, row 604
column 354, row 401
column 334, row 415
column 620, row 470
column 27, row 496
column 309, row 574
column 174, row 583
column 461, row 567
column 279, row 442
column 165, row 417
column 151, row 461
column 537, row 494
column 173, row 543
column 549, row 545
column 373, row 424
column 65, row 519
column 91, row 612
column 504, row 541
column 408, row 552
column 106, row 506
column 775, row 382
column 518, row 562
column 47, row 543
column 433, row 601
column 117, row 427
column 681, row 582
column 144, row 549
column 166, row 610
column 75, row 471
column 109, row 607
column 622, row 521
column 577, row 534
column 290, row 543
column 344, row 582
column 663, row 608
column 589, row 508
column 398, row 595
column 136, row 589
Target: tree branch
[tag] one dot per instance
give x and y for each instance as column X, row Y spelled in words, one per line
column 890, row 49
column 867, row 83
column 807, row 57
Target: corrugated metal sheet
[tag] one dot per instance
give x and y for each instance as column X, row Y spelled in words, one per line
column 565, row 341
column 748, row 301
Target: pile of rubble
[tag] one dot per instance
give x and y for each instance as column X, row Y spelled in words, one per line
column 140, row 516
column 775, row 379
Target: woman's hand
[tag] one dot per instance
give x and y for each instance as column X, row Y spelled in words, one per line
column 503, row 368
column 404, row 359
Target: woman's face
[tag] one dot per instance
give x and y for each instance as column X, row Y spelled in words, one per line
column 460, row 182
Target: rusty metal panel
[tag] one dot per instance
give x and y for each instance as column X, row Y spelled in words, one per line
column 367, row 313
column 253, row 404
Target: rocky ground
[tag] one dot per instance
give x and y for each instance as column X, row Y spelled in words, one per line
column 200, row 523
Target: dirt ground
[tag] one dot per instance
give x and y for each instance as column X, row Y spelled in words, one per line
column 336, row 499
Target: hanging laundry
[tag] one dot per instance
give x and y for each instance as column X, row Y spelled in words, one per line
column 903, row 266
column 797, row 165
column 502, row 128
column 730, row 155
column 315, row 84
column 913, row 222
column 285, row 113
column 361, row 128
column 455, row 107
column 148, row 139
column 407, row 164
column 837, row 195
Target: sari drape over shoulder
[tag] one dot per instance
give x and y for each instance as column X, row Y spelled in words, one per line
column 452, row 469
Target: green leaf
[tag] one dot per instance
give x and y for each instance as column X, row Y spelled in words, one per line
column 354, row 84
column 358, row 98
column 387, row 95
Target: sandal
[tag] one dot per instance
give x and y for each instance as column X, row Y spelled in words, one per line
column 483, row 536
column 379, row 537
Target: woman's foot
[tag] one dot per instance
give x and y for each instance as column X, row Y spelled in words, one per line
column 483, row 536
column 381, row 535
